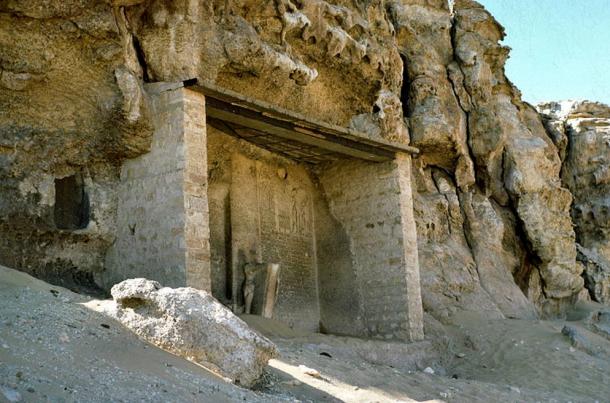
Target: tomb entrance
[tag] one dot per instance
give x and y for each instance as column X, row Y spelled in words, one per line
column 330, row 206
column 254, row 186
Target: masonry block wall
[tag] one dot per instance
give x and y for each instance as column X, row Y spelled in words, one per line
column 341, row 304
column 264, row 206
column 162, row 218
column 282, row 226
column 195, row 182
column 373, row 203
column 345, row 240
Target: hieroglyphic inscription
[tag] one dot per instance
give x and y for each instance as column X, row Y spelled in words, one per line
column 293, row 214
column 290, row 205
column 285, row 235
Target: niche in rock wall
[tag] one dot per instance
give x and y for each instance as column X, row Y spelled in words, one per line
column 71, row 210
column 266, row 209
column 272, row 223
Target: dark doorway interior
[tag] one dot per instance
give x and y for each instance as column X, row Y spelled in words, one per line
column 71, row 203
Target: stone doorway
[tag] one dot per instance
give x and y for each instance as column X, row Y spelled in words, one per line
column 262, row 211
column 230, row 181
column 332, row 208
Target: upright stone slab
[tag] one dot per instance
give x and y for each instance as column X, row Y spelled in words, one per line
column 373, row 202
column 272, row 220
column 162, row 220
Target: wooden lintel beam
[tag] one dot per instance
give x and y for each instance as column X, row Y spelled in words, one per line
column 293, row 126
column 285, row 133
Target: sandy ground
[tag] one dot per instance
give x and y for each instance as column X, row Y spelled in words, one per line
column 52, row 348
column 483, row 361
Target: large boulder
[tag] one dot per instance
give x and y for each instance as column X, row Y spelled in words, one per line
column 192, row 324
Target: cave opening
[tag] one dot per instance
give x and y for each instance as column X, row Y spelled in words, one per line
column 71, row 211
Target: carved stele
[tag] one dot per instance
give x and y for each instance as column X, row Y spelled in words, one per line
column 272, row 284
column 261, row 288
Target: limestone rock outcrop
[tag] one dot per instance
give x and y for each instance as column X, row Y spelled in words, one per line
column 494, row 227
column 438, row 123
column 71, row 104
column 496, row 187
column 192, row 324
column 516, row 162
column 297, row 54
column 582, row 129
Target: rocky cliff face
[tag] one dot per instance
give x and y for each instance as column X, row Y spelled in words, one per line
column 71, row 104
column 581, row 131
column 494, row 220
column 492, row 202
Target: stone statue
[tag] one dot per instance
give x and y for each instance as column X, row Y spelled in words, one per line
column 250, row 270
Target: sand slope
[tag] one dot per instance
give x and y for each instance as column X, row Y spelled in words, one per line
column 493, row 361
column 53, row 348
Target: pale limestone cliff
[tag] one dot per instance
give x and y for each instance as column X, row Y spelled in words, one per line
column 581, row 131
column 491, row 202
column 494, row 227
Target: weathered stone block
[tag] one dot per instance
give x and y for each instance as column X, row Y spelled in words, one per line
column 192, row 324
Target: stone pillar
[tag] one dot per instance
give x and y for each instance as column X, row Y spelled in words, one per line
column 196, row 226
column 162, row 215
column 373, row 203
column 415, row 314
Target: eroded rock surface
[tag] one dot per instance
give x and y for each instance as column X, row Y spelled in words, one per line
column 493, row 189
column 467, row 251
column 517, row 164
column 192, row 324
column 72, row 105
column 583, row 130
column 72, row 102
column 494, row 227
